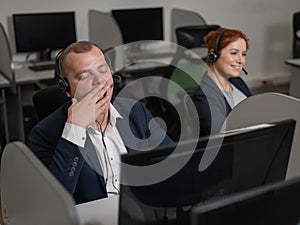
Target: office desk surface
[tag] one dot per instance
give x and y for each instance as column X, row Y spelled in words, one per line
column 295, row 76
column 293, row 62
column 3, row 82
column 26, row 76
column 103, row 211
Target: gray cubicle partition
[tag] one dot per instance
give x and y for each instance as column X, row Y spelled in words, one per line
column 265, row 108
column 29, row 192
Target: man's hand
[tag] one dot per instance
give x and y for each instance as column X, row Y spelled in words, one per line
column 84, row 112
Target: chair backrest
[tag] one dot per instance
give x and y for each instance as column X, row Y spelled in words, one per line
column 181, row 17
column 30, row 194
column 6, row 59
column 192, row 36
column 47, row 100
column 104, row 30
column 296, row 36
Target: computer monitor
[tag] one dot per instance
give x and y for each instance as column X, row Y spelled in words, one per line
column 247, row 158
column 276, row 203
column 140, row 24
column 43, row 32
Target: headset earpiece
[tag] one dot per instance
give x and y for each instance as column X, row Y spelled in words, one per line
column 64, row 84
column 62, row 81
column 213, row 55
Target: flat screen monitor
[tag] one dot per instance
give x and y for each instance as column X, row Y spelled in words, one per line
column 140, row 24
column 43, row 32
column 246, row 158
column 276, row 203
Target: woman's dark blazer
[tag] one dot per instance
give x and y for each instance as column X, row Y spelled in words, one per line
column 211, row 104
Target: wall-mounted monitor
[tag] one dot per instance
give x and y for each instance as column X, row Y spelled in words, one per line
column 140, row 24
column 43, row 32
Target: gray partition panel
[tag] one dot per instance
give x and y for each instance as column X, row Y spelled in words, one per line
column 29, row 192
column 6, row 59
column 265, row 108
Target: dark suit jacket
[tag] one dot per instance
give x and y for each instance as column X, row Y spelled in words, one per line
column 211, row 104
column 75, row 167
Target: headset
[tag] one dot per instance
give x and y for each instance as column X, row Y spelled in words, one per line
column 63, row 81
column 213, row 55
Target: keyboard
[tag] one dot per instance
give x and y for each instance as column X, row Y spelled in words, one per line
column 42, row 67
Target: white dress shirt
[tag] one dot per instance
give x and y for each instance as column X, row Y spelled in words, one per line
column 109, row 146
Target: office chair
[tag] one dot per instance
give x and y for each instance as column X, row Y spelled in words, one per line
column 181, row 17
column 296, row 35
column 30, row 194
column 47, row 100
column 186, row 70
column 190, row 56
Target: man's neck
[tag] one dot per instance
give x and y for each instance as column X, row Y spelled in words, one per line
column 102, row 121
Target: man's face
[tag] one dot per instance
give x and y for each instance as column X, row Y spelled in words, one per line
column 85, row 71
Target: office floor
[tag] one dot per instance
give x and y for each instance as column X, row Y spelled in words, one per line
column 283, row 89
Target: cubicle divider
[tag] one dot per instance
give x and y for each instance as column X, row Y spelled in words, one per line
column 30, row 194
column 265, row 108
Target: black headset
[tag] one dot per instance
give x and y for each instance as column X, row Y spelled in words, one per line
column 214, row 55
column 63, row 81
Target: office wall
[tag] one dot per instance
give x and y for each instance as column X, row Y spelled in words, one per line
column 268, row 24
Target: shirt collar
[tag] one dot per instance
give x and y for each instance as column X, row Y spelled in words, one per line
column 114, row 115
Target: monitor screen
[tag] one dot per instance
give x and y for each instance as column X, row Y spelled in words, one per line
column 140, row 24
column 247, row 158
column 43, row 32
column 276, row 203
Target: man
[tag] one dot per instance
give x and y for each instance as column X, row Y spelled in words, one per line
column 82, row 141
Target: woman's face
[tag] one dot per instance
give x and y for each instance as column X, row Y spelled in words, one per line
column 232, row 59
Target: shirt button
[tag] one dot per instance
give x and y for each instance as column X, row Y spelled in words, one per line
column 83, row 138
column 74, row 164
column 71, row 174
column 111, row 158
column 116, row 180
column 76, row 159
column 73, row 169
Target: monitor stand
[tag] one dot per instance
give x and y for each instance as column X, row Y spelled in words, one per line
column 44, row 55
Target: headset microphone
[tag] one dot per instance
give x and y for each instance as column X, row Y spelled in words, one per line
column 245, row 71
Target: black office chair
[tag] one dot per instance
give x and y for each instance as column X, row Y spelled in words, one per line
column 296, row 36
column 186, row 70
column 47, row 100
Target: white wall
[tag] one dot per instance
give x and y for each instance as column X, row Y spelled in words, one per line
column 267, row 23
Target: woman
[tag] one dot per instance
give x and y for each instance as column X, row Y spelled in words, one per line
column 221, row 88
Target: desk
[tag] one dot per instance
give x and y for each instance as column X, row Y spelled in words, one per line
column 24, row 77
column 295, row 77
column 103, row 211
